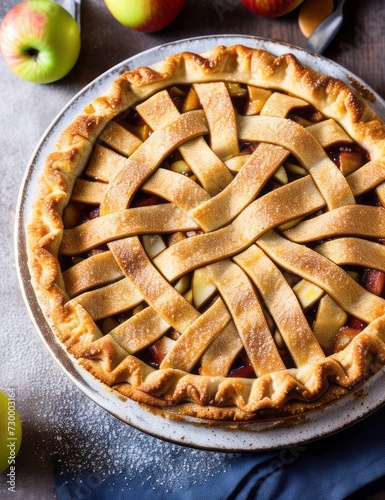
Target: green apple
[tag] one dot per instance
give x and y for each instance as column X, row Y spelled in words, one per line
column 145, row 15
column 39, row 41
column 271, row 8
column 10, row 432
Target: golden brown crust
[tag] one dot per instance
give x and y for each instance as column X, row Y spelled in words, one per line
column 213, row 397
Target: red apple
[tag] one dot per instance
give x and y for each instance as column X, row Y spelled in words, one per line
column 271, row 8
column 39, row 41
column 145, row 15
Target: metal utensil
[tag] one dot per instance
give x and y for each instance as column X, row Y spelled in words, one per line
column 326, row 31
column 73, row 7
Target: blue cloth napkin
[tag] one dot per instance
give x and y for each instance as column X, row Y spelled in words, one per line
column 332, row 468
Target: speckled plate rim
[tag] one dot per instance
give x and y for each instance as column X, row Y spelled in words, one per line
column 228, row 437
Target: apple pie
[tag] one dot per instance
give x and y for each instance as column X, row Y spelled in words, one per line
column 207, row 237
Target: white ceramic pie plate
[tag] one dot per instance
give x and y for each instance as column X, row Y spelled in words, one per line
column 189, row 431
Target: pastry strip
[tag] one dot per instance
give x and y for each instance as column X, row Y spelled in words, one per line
column 109, row 300
column 159, row 111
column 282, row 304
column 211, row 172
column 140, row 331
column 328, row 133
column 97, row 270
column 174, row 187
column 367, row 177
column 104, row 164
column 242, row 301
column 312, row 266
column 156, row 291
column 164, row 218
column 120, row 139
column 147, row 158
column 197, row 337
column 281, row 105
column 225, row 206
column 220, row 115
column 281, row 205
column 221, row 354
column 306, row 148
column 364, row 179
column 88, row 192
column 354, row 251
column 359, row 220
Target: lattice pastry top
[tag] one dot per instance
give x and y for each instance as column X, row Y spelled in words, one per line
column 207, row 237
